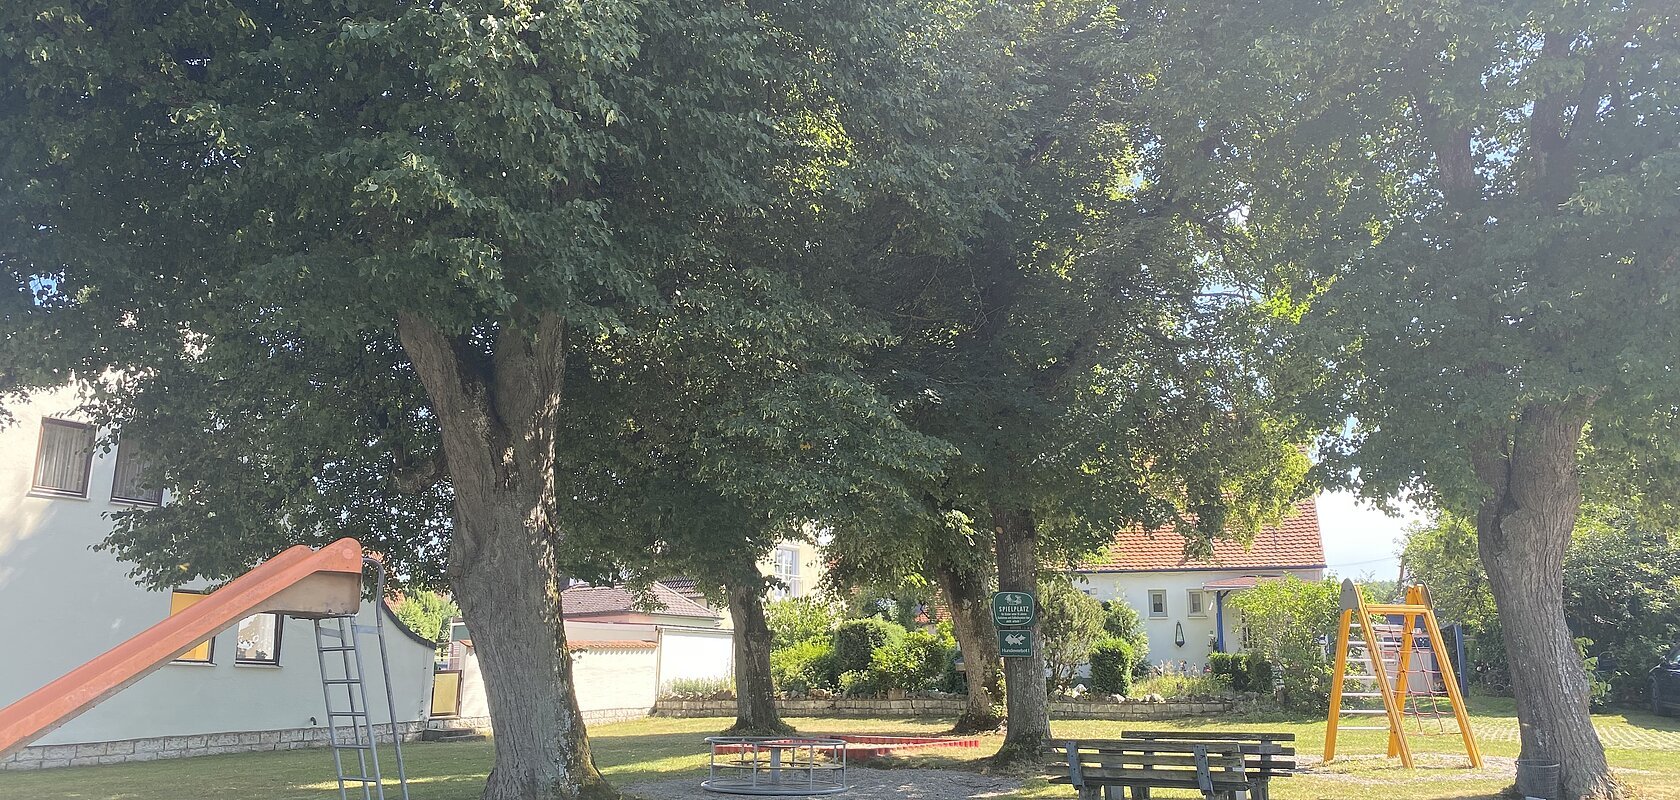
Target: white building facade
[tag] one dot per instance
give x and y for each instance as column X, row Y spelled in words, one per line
column 255, row 686
column 1185, row 603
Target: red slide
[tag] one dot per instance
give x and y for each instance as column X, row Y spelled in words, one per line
column 300, row 582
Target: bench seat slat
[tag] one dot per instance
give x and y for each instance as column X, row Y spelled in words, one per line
column 1208, row 736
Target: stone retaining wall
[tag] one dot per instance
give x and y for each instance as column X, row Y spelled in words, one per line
column 941, row 707
column 48, row 756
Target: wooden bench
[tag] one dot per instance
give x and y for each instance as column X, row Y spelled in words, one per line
column 1265, row 755
column 1227, row 766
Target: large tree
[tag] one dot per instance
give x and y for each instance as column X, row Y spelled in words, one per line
column 339, row 265
column 1473, row 206
column 1068, row 334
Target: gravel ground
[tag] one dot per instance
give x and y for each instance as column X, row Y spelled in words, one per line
column 867, row 784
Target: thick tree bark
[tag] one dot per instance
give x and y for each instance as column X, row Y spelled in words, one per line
column 966, row 594
column 498, row 416
column 1523, row 529
column 1025, row 690
column 755, row 692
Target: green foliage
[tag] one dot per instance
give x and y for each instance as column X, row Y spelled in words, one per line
column 1621, row 594
column 1070, row 623
column 1244, row 672
column 856, row 640
column 910, row 663
column 800, row 619
column 426, row 613
column 860, row 683
column 1441, row 554
column 1113, row 662
column 1121, row 621
column 1617, row 569
column 807, row 665
column 700, row 688
column 1289, row 622
column 1170, row 683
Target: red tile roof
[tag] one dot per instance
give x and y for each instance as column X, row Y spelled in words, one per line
column 582, row 601
column 1293, row 543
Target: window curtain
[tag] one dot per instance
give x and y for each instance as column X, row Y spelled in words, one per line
column 63, row 463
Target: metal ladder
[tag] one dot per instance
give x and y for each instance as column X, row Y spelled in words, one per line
column 337, row 643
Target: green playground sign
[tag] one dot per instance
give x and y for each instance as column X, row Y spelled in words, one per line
column 1015, row 643
column 1013, row 609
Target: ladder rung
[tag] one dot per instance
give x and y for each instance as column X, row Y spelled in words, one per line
column 1364, row 711
column 336, row 649
column 1362, row 694
column 1362, row 727
column 358, row 779
column 346, row 713
column 341, row 681
column 352, row 747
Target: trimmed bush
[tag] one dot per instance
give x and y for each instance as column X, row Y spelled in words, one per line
column 856, row 640
column 1113, row 661
column 805, row 666
column 910, row 663
column 1245, row 672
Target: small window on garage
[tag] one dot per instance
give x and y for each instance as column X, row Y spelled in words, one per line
column 1194, row 605
column 259, row 640
column 1157, row 602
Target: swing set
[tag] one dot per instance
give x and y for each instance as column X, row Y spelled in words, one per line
column 1394, row 653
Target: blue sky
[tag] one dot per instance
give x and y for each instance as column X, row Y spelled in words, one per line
column 1359, row 539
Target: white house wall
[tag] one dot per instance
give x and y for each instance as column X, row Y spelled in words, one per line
column 695, row 653
column 65, row 604
column 1134, row 587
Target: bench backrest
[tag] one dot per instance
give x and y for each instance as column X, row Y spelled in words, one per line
column 1268, row 754
column 1204, row 765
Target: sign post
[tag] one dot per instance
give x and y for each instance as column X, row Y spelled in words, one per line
column 1013, row 613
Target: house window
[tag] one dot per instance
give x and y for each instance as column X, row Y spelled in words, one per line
column 259, row 640
column 65, row 458
column 134, row 477
column 1195, row 607
column 181, row 600
column 787, row 571
column 1157, row 602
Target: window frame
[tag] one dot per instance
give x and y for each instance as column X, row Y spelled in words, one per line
column 209, row 644
column 1165, row 611
column 793, row 582
column 1195, row 604
column 35, row 486
column 116, row 480
column 279, row 636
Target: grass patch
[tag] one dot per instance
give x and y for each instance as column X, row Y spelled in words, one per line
column 1644, row 749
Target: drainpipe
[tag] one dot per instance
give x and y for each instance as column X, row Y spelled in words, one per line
column 1219, row 620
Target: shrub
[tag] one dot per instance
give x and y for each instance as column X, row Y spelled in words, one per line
column 859, row 683
column 856, row 640
column 426, row 613
column 1289, row 622
column 910, row 663
column 800, row 619
column 805, row 666
column 1112, row 664
column 1121, row 621
column 1070, row 623
column 700, row 687
column 1244, row 672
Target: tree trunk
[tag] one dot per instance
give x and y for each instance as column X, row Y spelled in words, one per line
column 965, row 593
column 755, row 692
column 1523, row 529
column 1025, row 690
column 498, row 418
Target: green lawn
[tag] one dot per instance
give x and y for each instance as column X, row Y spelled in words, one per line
column 1645, row 749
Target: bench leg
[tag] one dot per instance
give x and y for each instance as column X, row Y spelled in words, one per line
column 1112, row 792
column 1090, row 793
column 1140, row 793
